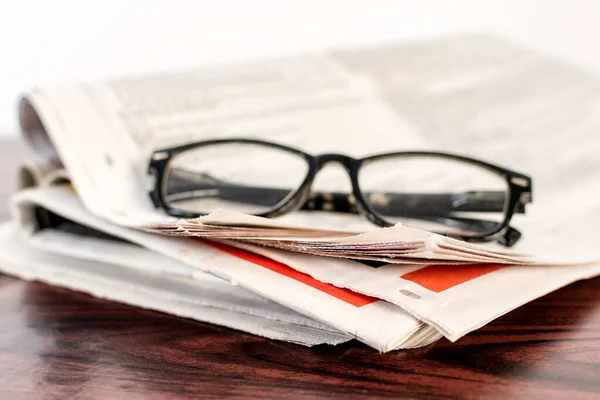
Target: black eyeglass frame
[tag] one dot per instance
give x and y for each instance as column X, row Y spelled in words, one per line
column 519, row 185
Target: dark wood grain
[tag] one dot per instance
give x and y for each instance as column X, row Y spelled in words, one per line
column 59, row 344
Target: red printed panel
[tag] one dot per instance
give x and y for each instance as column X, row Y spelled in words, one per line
column 350, row 297
column 438, row 278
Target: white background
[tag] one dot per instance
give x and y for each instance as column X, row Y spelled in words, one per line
column 46, row 42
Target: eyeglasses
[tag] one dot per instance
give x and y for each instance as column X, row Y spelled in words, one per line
column 450, row 194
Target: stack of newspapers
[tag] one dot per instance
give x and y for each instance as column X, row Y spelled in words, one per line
column 83, row 219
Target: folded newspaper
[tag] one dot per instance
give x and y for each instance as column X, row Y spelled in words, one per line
column 456, row 94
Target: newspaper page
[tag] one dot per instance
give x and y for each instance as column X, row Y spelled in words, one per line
column 124, row 280
column 493, row 99
column 104, row 132
column 377, row 323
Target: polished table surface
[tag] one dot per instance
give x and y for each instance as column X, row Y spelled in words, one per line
column 55, row 343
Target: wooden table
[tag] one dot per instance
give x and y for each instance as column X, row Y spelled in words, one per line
column 59, row 344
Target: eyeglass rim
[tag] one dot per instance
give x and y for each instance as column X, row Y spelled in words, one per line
column 518, row 184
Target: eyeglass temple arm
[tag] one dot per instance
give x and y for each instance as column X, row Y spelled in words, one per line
column 471, row 201
column 420, row 206
column 474, row 201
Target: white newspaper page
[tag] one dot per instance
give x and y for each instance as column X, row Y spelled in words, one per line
column 377, row 323
column 497, row 101
column 104, row 132
column 201, row 298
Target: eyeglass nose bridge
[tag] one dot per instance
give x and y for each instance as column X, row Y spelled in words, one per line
column 323, row 159
column 317, row 164
column 350, row 165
